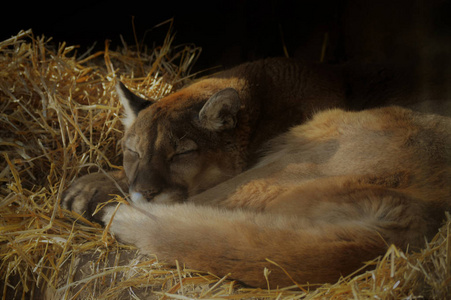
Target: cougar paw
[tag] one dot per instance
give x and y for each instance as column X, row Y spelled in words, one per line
column 84, row 195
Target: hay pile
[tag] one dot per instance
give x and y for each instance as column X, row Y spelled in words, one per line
column 59, row 119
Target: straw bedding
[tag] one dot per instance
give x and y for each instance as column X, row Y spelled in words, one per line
column 60, row 119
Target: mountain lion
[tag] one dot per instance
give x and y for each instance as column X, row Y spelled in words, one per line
column 261, row 166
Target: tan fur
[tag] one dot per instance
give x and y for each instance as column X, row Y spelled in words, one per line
column 329, row 203
column 318, row 200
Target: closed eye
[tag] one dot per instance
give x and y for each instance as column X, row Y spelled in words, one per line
column 132, row 152
column 184, row 147
column 182, row 155
column 186, row 152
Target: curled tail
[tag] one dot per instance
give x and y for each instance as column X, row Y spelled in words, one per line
column 243, row 243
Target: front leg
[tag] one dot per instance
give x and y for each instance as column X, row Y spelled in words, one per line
column 88, row 191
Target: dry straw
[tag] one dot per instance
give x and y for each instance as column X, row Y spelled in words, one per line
column 59, row 119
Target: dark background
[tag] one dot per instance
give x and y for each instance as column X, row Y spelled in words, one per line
column 230, row 32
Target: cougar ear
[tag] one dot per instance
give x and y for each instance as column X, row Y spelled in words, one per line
column 219, row 112
column 132, row 103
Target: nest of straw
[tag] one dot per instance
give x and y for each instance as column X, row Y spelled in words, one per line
column 60, row 119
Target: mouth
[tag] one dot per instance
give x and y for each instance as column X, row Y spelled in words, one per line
column 136, row 197
column 162, row 198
